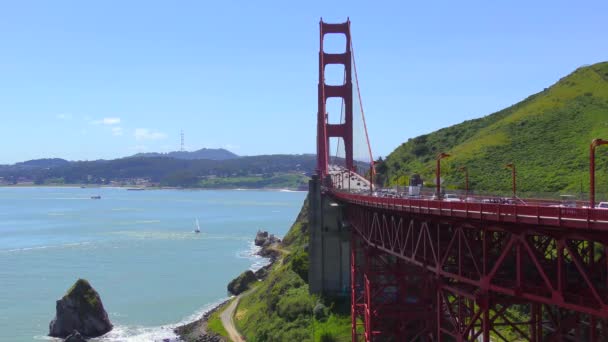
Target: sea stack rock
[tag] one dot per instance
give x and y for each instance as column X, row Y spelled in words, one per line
column 263, row 239
column 80, row 310
column 260, row 238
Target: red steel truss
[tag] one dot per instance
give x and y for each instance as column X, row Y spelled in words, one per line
column 424, row 270
column 435, row 276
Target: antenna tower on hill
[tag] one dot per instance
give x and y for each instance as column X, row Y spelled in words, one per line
column 182, row 145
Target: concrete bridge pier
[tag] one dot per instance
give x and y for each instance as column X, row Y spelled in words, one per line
column 329, row 244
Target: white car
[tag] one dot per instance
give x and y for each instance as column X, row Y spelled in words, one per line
column 602, row 205
column 451, row 198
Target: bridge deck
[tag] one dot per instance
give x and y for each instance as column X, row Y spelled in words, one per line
column 559, row 217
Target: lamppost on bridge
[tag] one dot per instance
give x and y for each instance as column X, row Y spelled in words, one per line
column 595, row 143
column 466, row 181
column 371, row 177
column 438, row 174
column 513, row 176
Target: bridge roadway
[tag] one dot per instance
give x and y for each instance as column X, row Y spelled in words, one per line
column 577, row 218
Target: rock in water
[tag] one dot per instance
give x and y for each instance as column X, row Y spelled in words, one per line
column 80, row 309
column 260, row 238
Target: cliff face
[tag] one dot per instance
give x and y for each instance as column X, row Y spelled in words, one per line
column 80, row 309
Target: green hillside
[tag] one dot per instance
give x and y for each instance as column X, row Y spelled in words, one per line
column 547, row 136
column 280, row 308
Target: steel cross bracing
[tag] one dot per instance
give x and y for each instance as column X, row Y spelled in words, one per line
column 419, row 273
column 425, row 270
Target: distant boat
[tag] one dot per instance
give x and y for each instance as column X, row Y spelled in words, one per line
column 135, row 189
column 198, row 228
column 96, row 197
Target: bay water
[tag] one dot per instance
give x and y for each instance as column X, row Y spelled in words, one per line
column 137, row 249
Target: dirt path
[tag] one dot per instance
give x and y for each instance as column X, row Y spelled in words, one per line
column 228, row 321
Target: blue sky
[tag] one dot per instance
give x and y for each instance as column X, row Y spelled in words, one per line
column 88, row 80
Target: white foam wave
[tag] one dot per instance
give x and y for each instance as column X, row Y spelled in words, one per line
column 163, row 333
column 257, row 261
column 139, row 334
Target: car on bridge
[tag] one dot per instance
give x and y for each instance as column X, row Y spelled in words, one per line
column 451, row 198
column 602, row 205
column 446, row 198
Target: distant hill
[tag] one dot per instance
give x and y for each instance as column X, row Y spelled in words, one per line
column 547, row 136
column 203, row 153
column 281, row 171
column 42, row 163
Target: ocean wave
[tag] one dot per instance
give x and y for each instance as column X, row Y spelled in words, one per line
column 163, row 333
column 66, row 245
column 156, row 235
column 257, row 261
column 122, row 333
column 62, row 198
column 134, row 333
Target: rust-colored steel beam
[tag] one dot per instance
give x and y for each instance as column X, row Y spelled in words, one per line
column 480, row 274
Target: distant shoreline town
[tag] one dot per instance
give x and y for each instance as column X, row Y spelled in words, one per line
column 203, row 169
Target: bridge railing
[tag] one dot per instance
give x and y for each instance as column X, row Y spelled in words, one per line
column 533, row 214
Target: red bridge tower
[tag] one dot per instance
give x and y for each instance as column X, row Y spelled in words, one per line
column 325, row 130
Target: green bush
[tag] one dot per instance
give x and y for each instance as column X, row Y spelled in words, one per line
column 295, row 303
column 299, row 264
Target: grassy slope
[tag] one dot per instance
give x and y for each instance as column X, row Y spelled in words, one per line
column 280, row 308
column 214, row 323
column 547, row 136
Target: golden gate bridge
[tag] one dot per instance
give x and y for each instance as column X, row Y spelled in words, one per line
column 426, row 269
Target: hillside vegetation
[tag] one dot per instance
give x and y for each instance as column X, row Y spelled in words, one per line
column 547, row 136
column 280, row 307
column 203, row 153
column 263, row 171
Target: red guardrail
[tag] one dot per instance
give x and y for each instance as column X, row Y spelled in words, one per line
column 586, row 218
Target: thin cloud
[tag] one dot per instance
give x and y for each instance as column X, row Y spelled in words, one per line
column 63, row 116
column 107, row 121
column 147, row 134
column 117, row 130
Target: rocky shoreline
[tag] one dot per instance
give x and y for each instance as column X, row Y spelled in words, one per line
column 197, row 331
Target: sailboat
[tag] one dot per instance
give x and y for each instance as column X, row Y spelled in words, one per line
column 198, row 228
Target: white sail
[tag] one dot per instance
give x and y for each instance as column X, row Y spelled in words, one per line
column 198, row 228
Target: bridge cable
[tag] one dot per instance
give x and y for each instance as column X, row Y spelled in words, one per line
column 369, row 148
